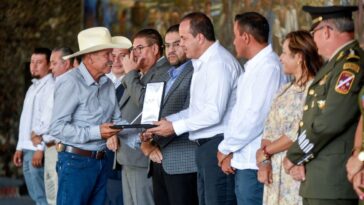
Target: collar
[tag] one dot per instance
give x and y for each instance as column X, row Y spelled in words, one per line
column 341, row 47
column 88, row 78
column 176, row 71
column 43, row 80
column 160, row 61
column 113, row 77
column 257, row 58
column 205, row 56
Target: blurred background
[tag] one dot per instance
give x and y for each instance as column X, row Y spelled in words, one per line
column 55, row 23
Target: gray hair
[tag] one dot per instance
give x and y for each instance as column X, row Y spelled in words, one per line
column 342, row 24
column 65, row 52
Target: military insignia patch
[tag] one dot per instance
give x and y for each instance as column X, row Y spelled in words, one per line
column 341, row 54
column 305, row 145
column 323, row 80
column 351, row 66
column 352, row 55
column 344, row 82
column 321, row 104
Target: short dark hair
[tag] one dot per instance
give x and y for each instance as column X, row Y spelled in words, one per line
column 44, row 51
column 254, row 24
column 200, row 23
column 152, row 36
column 173, row 28
column 65, row 52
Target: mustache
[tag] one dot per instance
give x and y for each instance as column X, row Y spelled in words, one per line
column 172, row 54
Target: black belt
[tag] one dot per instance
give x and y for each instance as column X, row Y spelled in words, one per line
column 86, row 153
column 200, row 142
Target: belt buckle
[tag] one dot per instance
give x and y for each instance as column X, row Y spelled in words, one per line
column 99, row 154
column 60, row 147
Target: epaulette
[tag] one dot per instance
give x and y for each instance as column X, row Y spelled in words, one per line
column 351, row 59
column 352, row 55
column 349, row 55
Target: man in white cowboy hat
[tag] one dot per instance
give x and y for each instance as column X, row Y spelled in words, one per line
column 85, row 107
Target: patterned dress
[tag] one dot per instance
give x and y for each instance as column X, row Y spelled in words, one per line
column 283, row 119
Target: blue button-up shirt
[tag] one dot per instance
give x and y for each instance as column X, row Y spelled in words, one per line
column 81, row 105
column 173, row 75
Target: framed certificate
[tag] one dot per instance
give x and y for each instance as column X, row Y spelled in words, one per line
column 153, row 100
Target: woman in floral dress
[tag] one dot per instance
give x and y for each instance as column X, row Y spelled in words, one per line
column 300, row 60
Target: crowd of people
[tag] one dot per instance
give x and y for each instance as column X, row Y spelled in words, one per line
column 279, row 130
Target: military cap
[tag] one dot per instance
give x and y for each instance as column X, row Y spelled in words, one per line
column 320, row 13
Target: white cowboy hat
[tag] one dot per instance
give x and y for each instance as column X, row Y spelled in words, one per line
column 122, row 41
column 94, row 39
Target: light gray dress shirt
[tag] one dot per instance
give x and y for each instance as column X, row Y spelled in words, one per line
column 81, row 105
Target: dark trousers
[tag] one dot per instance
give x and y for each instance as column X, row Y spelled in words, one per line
column 307, row 201
column 175, row 189
column 214, row 187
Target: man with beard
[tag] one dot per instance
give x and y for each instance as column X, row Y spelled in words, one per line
column 173, row 166
column 26, row 154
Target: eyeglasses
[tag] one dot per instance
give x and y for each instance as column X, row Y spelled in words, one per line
column 139, row 48
column 172, row 45
column 319, row 28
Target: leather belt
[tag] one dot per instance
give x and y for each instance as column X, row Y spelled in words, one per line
column 202, row 141
column 50, row 144
column 86, row 153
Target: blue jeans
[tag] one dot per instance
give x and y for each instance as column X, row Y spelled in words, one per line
column 248, row 190
column 34, row 179
column 81, row 180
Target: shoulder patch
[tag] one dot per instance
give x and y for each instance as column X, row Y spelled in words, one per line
column 344, row 82
column 351, row 66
